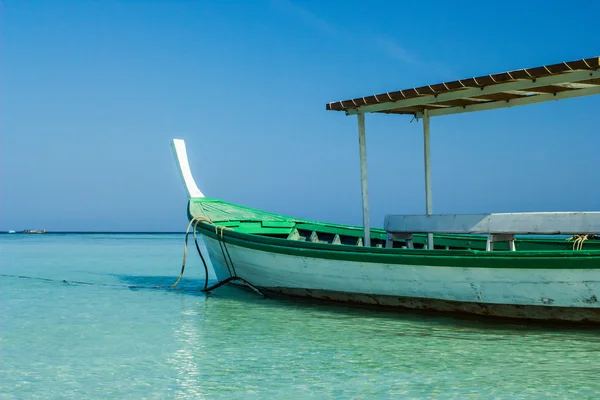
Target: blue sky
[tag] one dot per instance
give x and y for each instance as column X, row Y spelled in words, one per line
column 92, row 92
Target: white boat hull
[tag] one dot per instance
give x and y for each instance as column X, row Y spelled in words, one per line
column 561, row 294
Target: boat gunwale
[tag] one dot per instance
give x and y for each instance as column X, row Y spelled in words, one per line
column 356, row 231
column 527, row 259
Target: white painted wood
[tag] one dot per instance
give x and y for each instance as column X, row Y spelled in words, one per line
column 180, row 154
column 503, row 237
column 427, row 157
column 389, row 243
column 336, row 239
column 362, row 144
column 513, row 286
column 541, row 98
column 407, row 237
column 544, row 223
column 524, row 84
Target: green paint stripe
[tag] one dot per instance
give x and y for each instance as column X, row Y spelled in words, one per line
column 443, row 258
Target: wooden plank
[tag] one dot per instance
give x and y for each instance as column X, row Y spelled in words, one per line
column 342, row 230
column 416, row 99
column 534, row 99
column 277, row 224
column 543, row 223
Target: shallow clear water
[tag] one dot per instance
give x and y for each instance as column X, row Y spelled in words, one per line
column 107, row 340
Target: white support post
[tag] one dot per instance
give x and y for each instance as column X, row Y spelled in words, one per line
column 426, row 149
column 492, row 238
column 362, row 143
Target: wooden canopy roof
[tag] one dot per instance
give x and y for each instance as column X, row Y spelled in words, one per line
column 524, row 86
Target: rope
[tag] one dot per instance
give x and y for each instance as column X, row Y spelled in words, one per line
column 224, row 246
column 579, row 239
column 224, row 251
column 84, row 283
column 234, row 278
column 195, row 221
column 221, row 245
column 203, row 260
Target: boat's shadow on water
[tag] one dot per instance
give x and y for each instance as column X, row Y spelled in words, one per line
column 187, row 286
column 332, row 309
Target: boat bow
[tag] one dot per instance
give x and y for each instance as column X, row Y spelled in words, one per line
column 180, row 153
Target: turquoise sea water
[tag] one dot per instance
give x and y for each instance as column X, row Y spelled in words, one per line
column 107, row 340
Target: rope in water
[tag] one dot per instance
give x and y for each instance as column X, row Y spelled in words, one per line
column 194, row 221
column 85, row 283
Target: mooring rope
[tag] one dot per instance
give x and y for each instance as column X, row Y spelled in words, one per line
column 224, row 251
column 194, row 221
column 578, row 242
column 85, row 283
column 579, row 239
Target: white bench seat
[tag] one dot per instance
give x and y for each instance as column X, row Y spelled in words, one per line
column 498, row 226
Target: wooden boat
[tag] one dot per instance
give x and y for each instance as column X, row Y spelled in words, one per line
column 34, row 231
column 486, row 264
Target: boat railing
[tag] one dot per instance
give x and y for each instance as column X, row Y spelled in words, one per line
column 500, row 227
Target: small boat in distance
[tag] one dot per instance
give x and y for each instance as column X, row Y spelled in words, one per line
column 34, row 231
column 11, row 231
column 513, row 265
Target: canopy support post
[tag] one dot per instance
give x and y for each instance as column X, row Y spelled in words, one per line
column 362, row 143
column 426, row 149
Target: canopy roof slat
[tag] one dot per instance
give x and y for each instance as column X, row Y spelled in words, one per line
column 554, row 89
column 462, row 102
column 523, row 86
